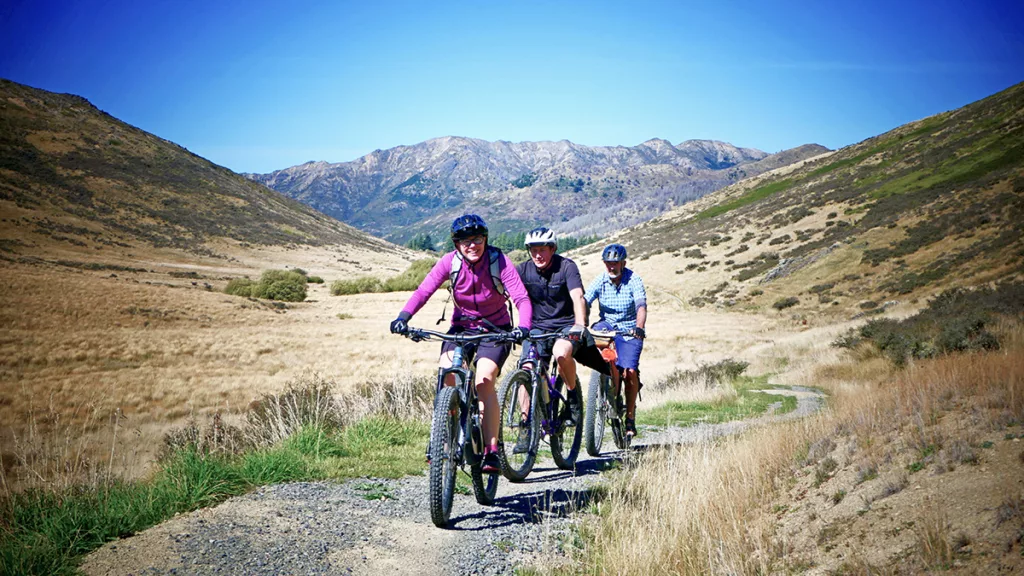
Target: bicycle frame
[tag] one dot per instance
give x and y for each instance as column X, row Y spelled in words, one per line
column 453, row 444
column 544, row 378
column 605, row 341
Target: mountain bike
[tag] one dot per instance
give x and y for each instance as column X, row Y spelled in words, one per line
column 456, row 429
column 606, row 404
column 549, row 413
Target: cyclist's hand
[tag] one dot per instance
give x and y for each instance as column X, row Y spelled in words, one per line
column 519, row 334
column 577, row 333
column 399, row 326
column 640, row 333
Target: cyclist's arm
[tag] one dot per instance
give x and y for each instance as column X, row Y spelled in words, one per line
column 579, row 306
column 434, row 279
column 574, row 282
column 517, row 292
column 641, row 316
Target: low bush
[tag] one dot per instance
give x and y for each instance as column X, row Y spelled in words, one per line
column 315, row 280
column 360, row 285
column 784, row 303
column 954, row 321
column 404, row 282
column 283, row 285
column 240, row 287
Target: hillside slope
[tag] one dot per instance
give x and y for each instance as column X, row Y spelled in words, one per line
column 935, row 203
column 72, row 172
column 402, row 191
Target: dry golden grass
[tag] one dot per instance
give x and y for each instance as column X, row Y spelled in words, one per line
column 741, row 506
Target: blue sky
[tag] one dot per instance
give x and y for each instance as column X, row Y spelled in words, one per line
column 259, row 86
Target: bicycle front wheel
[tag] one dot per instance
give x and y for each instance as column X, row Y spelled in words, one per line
column 517, row 440
column 444, row 454
column 596, row 413
column 565, row 443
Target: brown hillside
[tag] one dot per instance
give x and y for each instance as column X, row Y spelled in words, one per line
column 75, row 174
column 932, row 204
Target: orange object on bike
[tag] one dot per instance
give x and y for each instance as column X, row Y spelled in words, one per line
column 609, row 354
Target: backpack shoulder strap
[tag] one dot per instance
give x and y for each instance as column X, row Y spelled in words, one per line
column 453, row 275
column 495, row 259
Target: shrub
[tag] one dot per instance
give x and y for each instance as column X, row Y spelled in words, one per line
column 315, row 280
column 954, row 321
column 360, row 285
column 281, row 285
column 407, row 280
column 693, row 253
column 784, row 303
column 240, row 287
column 411, row 277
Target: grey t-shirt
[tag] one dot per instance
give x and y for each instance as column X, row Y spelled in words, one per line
column 549, row 292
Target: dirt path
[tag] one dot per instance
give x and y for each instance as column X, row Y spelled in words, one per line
column 327, row 528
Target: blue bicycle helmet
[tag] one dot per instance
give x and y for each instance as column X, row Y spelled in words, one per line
column 467, row 226
column 614, row 253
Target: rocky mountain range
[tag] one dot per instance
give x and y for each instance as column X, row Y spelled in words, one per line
column 403, row 191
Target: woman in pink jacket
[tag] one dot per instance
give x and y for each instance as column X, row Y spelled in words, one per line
column 484, row 281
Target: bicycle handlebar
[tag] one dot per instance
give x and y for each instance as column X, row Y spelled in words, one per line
column 420, row 334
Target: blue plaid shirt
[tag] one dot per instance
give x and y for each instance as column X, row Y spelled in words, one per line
column 618, row 302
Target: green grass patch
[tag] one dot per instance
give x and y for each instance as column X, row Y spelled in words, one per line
column 750, row 197
column 48, row 532
column 750, row 400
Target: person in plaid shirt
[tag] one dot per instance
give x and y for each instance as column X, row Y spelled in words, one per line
column 623, row 307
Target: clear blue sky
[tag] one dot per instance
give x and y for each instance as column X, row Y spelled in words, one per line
column 258, row 86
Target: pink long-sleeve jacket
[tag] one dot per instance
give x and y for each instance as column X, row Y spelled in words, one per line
column 476, row 299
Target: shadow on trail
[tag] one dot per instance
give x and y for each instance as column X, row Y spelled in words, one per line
column 535, row 506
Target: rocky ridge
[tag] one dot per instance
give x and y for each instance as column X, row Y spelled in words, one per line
column 405, row 190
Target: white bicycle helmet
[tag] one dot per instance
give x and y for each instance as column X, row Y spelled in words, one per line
column 540, row 237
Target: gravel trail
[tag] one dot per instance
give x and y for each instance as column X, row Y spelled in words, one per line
column 333, row 528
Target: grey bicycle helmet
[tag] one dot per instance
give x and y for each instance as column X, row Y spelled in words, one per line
column 467, row 226
column 614, row 253
column 540, row 237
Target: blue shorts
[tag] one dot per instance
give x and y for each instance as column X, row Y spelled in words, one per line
column 628, row 349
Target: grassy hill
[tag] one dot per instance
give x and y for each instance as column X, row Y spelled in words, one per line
column 73, row 173
column 931, row 204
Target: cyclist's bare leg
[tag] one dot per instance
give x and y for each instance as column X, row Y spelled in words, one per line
column 632, row 387
column 486, row 375
column 524, row 396
column 446, row 362
column 562, row 351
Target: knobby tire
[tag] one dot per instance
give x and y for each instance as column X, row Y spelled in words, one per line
column 596, row 414
column 565, row 443
column 516, row 467
column 444, row 457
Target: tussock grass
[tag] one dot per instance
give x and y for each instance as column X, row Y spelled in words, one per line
column 306, row 432
column 701, row 508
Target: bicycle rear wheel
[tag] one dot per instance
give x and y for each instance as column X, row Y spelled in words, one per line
column 444, row 454
column 516, row 464
column 565, row 443
column 596, row 413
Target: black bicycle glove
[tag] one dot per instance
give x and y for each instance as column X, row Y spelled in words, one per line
column 639, row 332
column 519, row 334
column 399, row 326
column 577, row 333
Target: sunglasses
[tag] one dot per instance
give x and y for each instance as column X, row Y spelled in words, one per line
column 470, row 241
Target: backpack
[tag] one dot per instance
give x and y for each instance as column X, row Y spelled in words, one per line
column 494, row 258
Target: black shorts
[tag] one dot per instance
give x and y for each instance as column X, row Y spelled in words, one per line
column 497, row 352
column 584, row 351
